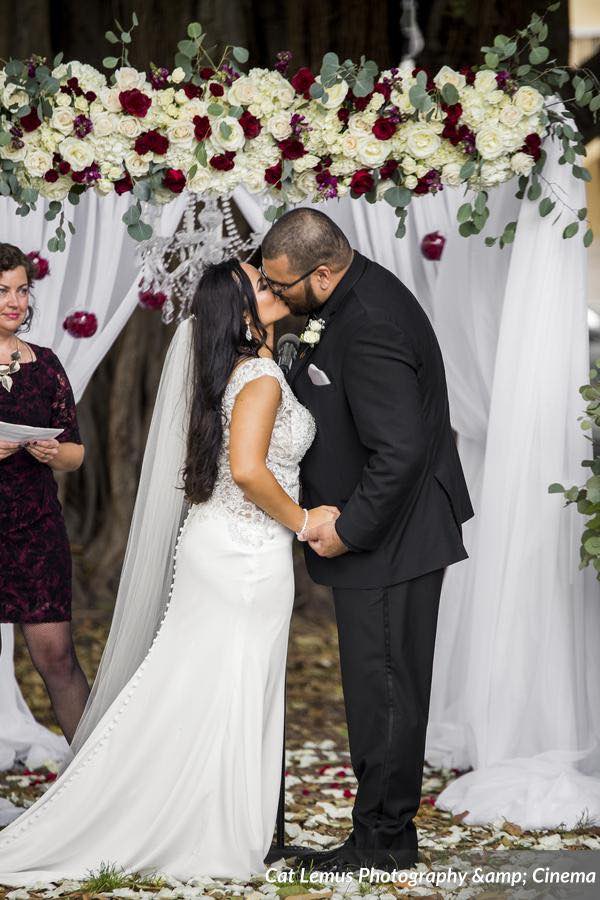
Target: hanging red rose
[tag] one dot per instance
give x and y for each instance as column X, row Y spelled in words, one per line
column 152, row 299
column 273, row 174
column 202, row 127
column 192, row 90
column 432, row 245
column 51, row 176
column 388, row 168
column 30, row 122
column 41, row 266
column 384, row 129
column 362, row 182
column 174, row 180
column 217, row 90
column 250, row 125
column 292, row 148
column 124, row 184
column 151, row 142
column 81, row 324
column 302, row 81
column 135, row 102
column 223, row 162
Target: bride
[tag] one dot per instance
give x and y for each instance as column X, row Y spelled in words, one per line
column 175, row 766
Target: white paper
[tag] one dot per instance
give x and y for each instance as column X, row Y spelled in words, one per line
column 18, row 433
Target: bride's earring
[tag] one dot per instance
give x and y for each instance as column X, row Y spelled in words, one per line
column 248, row 332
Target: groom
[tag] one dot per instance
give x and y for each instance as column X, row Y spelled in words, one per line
column 372, row 375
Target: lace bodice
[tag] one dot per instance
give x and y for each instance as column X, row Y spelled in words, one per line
column 293, row 433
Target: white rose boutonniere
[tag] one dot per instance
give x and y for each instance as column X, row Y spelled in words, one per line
column 312, row 332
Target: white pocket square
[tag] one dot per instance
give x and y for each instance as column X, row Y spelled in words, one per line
column 317, row 376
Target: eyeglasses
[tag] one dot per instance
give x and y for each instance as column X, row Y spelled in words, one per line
column 282, row 286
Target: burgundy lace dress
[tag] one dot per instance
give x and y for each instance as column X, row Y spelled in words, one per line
column 35, row 557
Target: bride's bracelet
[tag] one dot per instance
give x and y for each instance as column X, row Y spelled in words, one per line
column 300, row 534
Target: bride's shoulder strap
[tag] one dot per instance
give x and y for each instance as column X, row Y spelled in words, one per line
column 249, row 370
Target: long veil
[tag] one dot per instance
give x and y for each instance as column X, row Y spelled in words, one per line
column 158, row 513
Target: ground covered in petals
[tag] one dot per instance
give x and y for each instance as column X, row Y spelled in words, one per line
column 320, row 789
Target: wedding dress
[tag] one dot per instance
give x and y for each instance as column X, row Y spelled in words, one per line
column 181, row 775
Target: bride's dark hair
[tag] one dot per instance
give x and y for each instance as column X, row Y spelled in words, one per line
column 223, row 297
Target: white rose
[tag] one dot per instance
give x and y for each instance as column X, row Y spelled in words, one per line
column 128, row 78
column 104, row 123
column 62, row 119
column 376, row 101
column 81, row 104
column 110, row 99
column 336, row 94
column 310, row 337
column 382, row 187
column 173, row 110
column 361, row 125
column 235, row 139
column 490, row 142
column 15, row 97
column 411, row 181
column 308, row 161
column 195, row 107
column 494, row 98
column 182, row 133
column 61, row 99
column 137, row 165
column 521, row 163
column 401, row 100
column 242, row 92
column 450, row 174
column 349, row 144
column 279, row 126
column 371, row 152
column 166, row 97
column 200, row 182
column 408, row 165
column 495, row 172
column 306, row 183
column 485, row 81
column 37, row 162
column 177, row 75
column 104, row 186
column 528, row 100
column 130, row 127
column 78, row 154
column 510, row 115
column 446, row 75
column 14, row 153
column 56, row 190
column 422, row 141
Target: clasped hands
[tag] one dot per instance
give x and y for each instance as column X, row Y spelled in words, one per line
column 321, row 534
column 43, row 451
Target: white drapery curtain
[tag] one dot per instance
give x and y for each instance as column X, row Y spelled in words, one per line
column 97, row 272
column 516, row 679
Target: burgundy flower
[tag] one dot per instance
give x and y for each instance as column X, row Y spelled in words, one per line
column 51, row 176
column 31, row 121
column 343, row 114
column 291, row 148
column 502, row 79
column 90, row 96
column 230, row 74
column 135, row 103
column 152, row 299
column 192, row 90
column 284, row 58
column 64, row 167
column 73, row 85
column 430, row 85
column 302, row 81
column 206, row 73
column 82, row 126
column 174, row 180
column 202, row 127
column 159, row 77
column 81, row 324
column 273, row 174
column 382, row 87
column 41, row 266
column 388, row 168
column 151, row 142
column 532, row 145
column 453, row 112
column 469, row 74
column 430, row 183
column 327, row 184
column 359, row 103
column 223, row 162
column 250, row 124
column 89, row 175
column 217, row 90
column 383, row 129
column 432, row 245
column 124, row 184
column 362, row 182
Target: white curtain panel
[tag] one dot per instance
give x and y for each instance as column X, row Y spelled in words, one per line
column 97, row 272
column 516, row 681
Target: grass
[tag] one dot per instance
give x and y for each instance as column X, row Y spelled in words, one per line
column 110, row 877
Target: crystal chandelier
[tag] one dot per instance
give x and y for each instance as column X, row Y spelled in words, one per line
column 173, row 265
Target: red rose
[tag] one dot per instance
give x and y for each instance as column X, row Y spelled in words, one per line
column 30, row 122
column 388, row 168
column 90, row 96
column 64, row 167
column 206, row 73
column 152, row 299
column 250, row 124
column 362, row 182
column 81, row 324
column 532, row 145
column 292, row 148
column 151, row 142
column 453, row 113
column 383, row 129
column 174, row 180
column 302, row 81
column 382, row 88
column 192, row 90
column 40, row 264
column 51, row 176
column 135, row 103
column 223, row 162
column 124, row 184
column 217, row 90
column 202, row 127
column 273, row 174
column 360, row 103
column 343, row 115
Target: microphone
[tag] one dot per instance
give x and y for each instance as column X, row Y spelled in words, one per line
column 287, row 348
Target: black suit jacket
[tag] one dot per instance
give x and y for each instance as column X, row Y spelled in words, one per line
column 384, row 451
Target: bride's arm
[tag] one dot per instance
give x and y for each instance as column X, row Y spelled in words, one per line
column 252, row 421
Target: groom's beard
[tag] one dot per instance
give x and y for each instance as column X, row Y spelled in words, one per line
column 310, row 303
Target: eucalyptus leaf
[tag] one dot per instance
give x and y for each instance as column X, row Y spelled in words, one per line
column 240, row 54
column 570, row 230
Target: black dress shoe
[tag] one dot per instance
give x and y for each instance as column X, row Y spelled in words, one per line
column 341, row 861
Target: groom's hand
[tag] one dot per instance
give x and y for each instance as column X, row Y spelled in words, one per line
column 325, row 540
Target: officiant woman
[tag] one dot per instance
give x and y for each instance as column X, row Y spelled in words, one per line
column 35, row 557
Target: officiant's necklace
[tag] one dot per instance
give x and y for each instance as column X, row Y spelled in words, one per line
column 8, row 369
